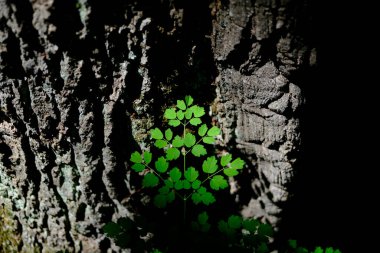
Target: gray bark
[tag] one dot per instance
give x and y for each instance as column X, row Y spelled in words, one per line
column 82, row 83
column 259, row 47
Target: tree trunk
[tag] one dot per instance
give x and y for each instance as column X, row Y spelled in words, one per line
column 81, row 83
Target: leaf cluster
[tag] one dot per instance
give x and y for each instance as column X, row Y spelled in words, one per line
column 171, row 173
column 189, row 182
column 246, row 234
column 295, row 248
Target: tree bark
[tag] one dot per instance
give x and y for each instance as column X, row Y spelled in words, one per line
column 81, row 83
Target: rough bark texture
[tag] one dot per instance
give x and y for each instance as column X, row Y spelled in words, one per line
column 259, row 47
column 82, row 82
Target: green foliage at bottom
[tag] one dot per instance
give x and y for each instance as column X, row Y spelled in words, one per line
column 295, row 248
column 186, row 179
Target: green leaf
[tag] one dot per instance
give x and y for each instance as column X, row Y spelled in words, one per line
column 251, row 225
column 205, row 228
column 189, row 113
column 329, row 250
column 234, row 221
column 199, row 150
column 186, row 184
column 223, row 227
column 175, row 174
column 189, row 140
column 230, row 172
column 196, row 198
column 337, row 251
column 170, row 113
column 164, row 189
column 226, row 159
column 209, row 140
column 265, row 229
column 156, row 134
column 202, row 218
column 189, row 100
column 317, row 250
column 147, row 157
column 169, row 183
column 210, row 165
column 181, row 104
column 172, row 154
column 214, row 131
column 169, row 134
column 174, row 122
column 170, row 197
column 138, row 167
column 125, row 223
column 203, row 196
column 160, row 201
column 150, row 180
column 161, row 164
column 293, row 244
column 198, row 111
column 195, row 121
column 191, row 174
column 136, row 157
column 178, row 185
column 180, row 115
column 202, row 130
column 160, row 143
column 177, row 142
column 111, row 229
column 263, row 248
column 302, row 250
column 196, row 184
column 196, row 226
column 208, row 198
column 218, row 182
column 237, row 164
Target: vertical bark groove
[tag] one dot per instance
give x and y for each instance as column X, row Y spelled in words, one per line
column 259, row 48
column 82, row 82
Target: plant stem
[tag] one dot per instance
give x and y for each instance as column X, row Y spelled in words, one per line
column 184, row 169
column 153, row 171
column 195, row 144
column 208, row 178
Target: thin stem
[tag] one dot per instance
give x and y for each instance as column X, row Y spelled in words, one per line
column 178, row 194
column 152, row 170
column 184, row 169
column 188, row 196
column 212, row 175
column 195, row 144
column 163, row 180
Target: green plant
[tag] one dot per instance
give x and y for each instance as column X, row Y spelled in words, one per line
column 295, row 248
column 248, row 235
column 181, row 180
column 181, row 170
column 169, row 170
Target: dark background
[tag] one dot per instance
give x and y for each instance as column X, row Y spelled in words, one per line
column 335, row 190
